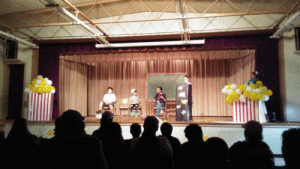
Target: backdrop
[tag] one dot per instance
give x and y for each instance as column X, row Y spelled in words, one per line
column 84, row 77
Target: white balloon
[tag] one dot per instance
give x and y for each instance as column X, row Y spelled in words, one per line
column 224, row 91
column 258, row 90
column 248, row 89
column 49, row 82
column 38, row 82
column 39, row 76
column 46, row 79
column 36, row 85
column 266, row 98
column 27, row 90
column 239, row 92
column 226, row 87
column 233, row 87
column 52, row 91
column 242, row 98
column 229, row 92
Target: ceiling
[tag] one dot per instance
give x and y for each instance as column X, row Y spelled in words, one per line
column 32, row 20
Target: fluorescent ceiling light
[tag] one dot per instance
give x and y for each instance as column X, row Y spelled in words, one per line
column 144, row 44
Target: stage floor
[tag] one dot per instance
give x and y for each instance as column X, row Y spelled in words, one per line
column 171, row 119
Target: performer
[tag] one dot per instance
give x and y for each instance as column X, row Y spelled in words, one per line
column 254, row 79
column 160, row 101
column 109, row 100
column 184, row 100
column 135, row 101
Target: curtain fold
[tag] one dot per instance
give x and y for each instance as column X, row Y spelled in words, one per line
column 84, row 78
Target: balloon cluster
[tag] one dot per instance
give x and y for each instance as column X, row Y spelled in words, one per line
column 254, row 92
column 40, row 85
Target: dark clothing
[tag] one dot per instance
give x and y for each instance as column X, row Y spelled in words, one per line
column 176, row 147
column 192, row 155
column 251, row 155
column 160, row 97
column 75, row 151
column 134, row 107
column 150, row 152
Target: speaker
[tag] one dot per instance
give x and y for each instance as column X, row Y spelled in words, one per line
column 11, row 49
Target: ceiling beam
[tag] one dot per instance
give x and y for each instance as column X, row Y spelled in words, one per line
column 85, row 17
column 160, row 19
column 64, row 6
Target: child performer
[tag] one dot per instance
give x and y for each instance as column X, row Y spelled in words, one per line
column 135, row 101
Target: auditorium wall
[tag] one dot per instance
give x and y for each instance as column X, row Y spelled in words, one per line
column 289, row 77
column 25, row 55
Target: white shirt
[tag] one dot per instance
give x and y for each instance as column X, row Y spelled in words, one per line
column 134, row 100
column 109, row 98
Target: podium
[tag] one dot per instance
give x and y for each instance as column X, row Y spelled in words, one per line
column 184, row 102
column 40, row 107
column 249, row 110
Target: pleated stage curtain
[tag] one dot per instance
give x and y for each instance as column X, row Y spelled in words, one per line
column 84, row 77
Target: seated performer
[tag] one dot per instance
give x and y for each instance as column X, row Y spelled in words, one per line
column 109, row 100
column 254, row 79
column 135, row 101
column 160, row 101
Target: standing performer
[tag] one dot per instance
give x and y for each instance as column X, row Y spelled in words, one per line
column 184, row 100
column 160, row 101
column 109, row 100
column 254, row 79
column 135, row 101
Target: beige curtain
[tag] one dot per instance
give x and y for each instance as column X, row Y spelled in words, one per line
column 84, row 78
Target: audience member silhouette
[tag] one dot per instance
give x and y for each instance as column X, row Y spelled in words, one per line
column 135, row 130
column 76, row 149
column 166, row 130
column 193, row 149
column 20, row 145
column 106, row 120
column 149, row 151
column 114, row 147
column 291, row 148
column 216, row 154
column 252, row 153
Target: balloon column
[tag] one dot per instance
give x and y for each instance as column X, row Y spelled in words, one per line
column 40, row 85
column 254, row 92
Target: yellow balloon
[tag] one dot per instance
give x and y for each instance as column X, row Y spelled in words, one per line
column 47, row 89
column 253, row 86
column 34, row 81
column 52, row 87
column 29, row 86
column 262, row 89
column 40, row 90
column 229, row 86
column 41, row 79
column 234, row 94
column 259, row 83
column 43, row 83
column 242, row 87
column 269, row 92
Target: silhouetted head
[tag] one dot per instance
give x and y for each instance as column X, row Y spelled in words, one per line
column 291, row 148
column 166, row 129
column 19, row 124
column 135, row 130
column 253, row 131
column 216, row 149
column 114, row 132
column 151, row 124
column 70, row 122
column 193, row 132
column 107, row 118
